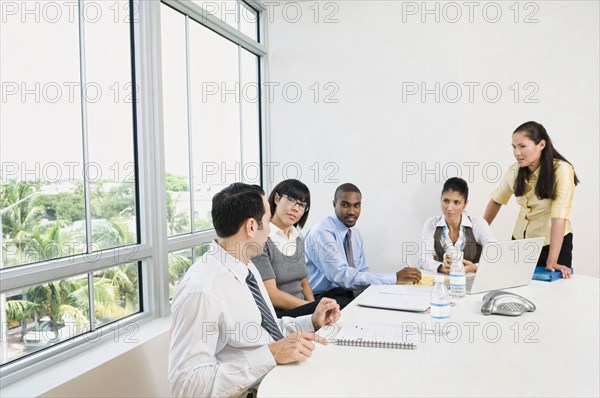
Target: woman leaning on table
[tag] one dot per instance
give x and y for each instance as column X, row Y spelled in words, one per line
column 453, row 228
column 543, row 182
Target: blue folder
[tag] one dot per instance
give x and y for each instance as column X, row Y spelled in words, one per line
column 542, row 274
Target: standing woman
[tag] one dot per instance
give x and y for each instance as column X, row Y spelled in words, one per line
column 543, row 182
column 282, row 265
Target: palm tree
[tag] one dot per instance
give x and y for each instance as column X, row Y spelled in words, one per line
column 19, row 222
column 106, row 298
column 19, row 311
column 124, row 279
column 48, row 242
column 116, row 292
column 56, row 301
column 178, row 266
column 177, row 222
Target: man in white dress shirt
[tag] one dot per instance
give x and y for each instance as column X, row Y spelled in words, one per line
column 224, row 334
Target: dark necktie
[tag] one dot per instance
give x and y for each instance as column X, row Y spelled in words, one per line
column 268, row 322
column 350, row 257
column 348, row 248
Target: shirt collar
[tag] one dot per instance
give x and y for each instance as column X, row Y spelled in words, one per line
column 340, row 226
column 275, row 230
column 536, row 174
column 533, row 177
column 465, row 221
column 238, row 268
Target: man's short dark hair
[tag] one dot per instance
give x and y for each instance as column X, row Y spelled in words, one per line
column 347, row 187
column 234, row 205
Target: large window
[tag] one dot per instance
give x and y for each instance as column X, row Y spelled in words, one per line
column 92, row 123
column 69, row 176
column 211, row 103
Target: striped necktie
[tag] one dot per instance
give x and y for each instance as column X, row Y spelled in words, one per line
column 268, row 322
column 348, row 248
column 350, row 257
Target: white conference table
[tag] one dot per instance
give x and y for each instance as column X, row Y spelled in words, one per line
column 553, row 351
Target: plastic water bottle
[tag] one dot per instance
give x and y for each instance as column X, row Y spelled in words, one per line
column 440, row 300
column 457, row 273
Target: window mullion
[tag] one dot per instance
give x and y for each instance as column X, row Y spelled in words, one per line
column 189, row 124
column 91, row 304
column 84, row 131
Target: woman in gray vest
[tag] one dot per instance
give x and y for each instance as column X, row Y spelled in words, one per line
column 282, row 264
column 453, row 229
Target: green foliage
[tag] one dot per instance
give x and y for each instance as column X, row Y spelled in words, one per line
column 54, row 300
column 18, row 310
column 66, row 206
column 202, row 224
column 111, row 233
column 176, row 183
column 51, row 226
column 200, row 250
column 178, row 265
column 178, row 222
column 124, row 280
column 19, row 222
column 109, row 200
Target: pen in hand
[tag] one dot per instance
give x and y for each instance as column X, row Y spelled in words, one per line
column 410, row 266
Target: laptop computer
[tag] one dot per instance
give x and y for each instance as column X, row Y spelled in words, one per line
column 400, row 298
column 505, row 264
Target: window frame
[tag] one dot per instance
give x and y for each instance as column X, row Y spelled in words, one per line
column 153, row 247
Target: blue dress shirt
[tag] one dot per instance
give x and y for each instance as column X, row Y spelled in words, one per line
column 326, row 259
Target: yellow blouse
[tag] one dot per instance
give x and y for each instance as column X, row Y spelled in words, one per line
column 535, row 215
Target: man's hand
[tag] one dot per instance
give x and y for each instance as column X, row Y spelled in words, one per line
column 327, row 311
column 408, row 275
column 296, row 347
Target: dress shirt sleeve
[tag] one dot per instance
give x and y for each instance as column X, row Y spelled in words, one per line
column 505, row 190
column 564, row 184
column 482, row 231
column 194, row 370
column 331, row 260
column 426, row 260
column 263, row 263
column 299, row 324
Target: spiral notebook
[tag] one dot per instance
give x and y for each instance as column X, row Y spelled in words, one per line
column 375, row 336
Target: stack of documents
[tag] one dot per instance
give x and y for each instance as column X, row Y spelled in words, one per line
column 401, row 298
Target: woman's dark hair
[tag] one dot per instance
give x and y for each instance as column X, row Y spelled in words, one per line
column 456, row 184
column 232, row 206
column 544, row 188
column 295, row 190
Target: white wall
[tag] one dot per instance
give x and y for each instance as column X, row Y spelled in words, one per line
column 141, row 372
column 374, row 49
column 127, row 365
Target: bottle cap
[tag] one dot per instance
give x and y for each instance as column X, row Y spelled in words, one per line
column 439, row 278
